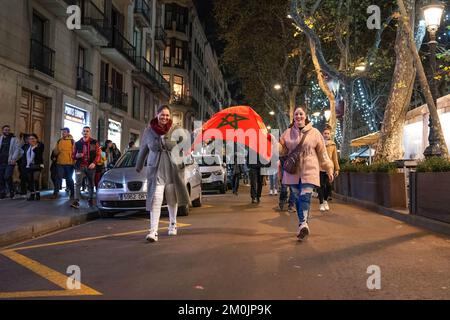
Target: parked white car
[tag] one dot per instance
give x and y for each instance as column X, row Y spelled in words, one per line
column 123, row 189
column 214, row 172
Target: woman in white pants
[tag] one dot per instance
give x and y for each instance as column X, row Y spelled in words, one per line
column 165, row 174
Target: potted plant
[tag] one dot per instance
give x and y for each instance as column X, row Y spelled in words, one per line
column 429, row 186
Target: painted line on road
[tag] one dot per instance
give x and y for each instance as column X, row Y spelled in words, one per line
column 54, row 276
column 47, row 273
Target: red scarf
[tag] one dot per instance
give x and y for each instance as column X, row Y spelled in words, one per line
column 160, row 129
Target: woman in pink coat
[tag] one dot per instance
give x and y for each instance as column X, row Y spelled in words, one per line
column 313, row 156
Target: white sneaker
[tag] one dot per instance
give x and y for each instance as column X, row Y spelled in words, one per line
column 172, row 229
column 152, row 236
column 327, row 207
column 303, row 231
column 322, row 207
column 270, row 192
column 275, row 192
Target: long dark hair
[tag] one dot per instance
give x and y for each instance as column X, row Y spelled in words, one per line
column 307, row 121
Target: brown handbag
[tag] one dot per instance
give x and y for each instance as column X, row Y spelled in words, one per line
column 292, row 161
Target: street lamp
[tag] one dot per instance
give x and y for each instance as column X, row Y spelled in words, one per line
column 277, row 87
column 272, row 113
column 361, row 67
column 327, row 114
column 432, row 13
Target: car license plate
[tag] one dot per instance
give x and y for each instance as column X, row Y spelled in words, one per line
column 134, row 196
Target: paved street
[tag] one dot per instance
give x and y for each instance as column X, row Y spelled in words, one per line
column 231, row 249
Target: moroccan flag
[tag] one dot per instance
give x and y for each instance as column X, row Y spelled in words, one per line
column 239, row 124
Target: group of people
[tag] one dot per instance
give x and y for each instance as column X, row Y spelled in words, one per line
column 84, row 159
column 317, row 167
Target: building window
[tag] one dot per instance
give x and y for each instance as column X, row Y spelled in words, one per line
column 167, row 53
column 179, row 62
column 178, row 86
column 168, row 16
column 136, row 102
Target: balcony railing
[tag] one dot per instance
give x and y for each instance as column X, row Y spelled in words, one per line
column 84, row 80
column 113, row 96
column 150, row 71
column 119, row 42
column 41, row 58
column 160, row 35
column 142, row 7
column 92, row 15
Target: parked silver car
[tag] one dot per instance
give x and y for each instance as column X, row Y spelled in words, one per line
column 123, row 189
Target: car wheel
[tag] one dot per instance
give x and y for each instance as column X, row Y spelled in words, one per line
column 106, row 214
column 197, row 202
column 183, row 210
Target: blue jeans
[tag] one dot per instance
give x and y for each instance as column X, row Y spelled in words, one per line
column 6, row 173
column 284, row 189
column 273, row 181
column 302, row 195
column 66, row 172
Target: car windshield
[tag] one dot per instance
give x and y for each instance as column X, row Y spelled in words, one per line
column 208, row 161
column 128, row 160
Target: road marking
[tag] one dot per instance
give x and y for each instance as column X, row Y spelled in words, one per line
column 47, row 273
column 54, row 276
column 92, row 238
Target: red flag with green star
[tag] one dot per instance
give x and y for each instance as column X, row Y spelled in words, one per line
column 238, row 124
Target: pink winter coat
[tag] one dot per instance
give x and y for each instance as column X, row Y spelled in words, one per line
column 313, row 156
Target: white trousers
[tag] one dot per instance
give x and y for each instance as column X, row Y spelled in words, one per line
column 158, row 198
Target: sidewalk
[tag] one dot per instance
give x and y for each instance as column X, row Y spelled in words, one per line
column 22, row 220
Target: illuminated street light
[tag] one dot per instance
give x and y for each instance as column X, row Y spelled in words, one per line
column 433, row 14
column 277, row 86
column 269, row 127
column 272, row 113
column 327, row 114
column 361, row 67
column 316, row 114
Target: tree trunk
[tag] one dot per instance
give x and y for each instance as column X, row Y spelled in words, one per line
column 324, row 87
column 390, row 144
column 423, row 81
column 348, row 123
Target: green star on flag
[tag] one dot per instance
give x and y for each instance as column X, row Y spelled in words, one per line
column 233, row 123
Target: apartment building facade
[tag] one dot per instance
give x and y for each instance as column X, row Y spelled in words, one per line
column 106, row 75
column 191, row 66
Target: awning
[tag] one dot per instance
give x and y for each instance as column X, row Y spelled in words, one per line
column 366, row 140
column 363, row 153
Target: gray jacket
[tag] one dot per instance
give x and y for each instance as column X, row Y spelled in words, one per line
column 151, row 149
column 15, row 150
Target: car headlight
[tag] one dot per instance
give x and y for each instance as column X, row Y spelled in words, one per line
column 107, row 185
column 218, row 173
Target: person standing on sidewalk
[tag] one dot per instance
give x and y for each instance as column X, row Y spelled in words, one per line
column 34, row 157
column 164, row 176
column 21, row 164
column 64, row 162
column 325, row 185
column 256, row 179
column 312, row 156
column 10, row 153
column 86, row 153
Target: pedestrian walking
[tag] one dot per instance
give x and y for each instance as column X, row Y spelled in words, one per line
column 237, row 170
column 286, row 194
column 100, row 168
column 34, row 157
column 21, row 164
column 112, row 153
column 54, row 175
column 256, row 179
column 165, row 176
column 64, row 162
column 273, row 182
column 325, row 185
column 86, row 153
column 305, row 142
column 10, row 153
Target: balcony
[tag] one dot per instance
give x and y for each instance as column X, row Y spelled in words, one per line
column 160, row 37
column 84, row 80
column 114, row 97
column 119, row 50
column 93, row 24
column 184, row 100
column 147, row 74
column 42, row 58
column 142, row 13
column 57, row 7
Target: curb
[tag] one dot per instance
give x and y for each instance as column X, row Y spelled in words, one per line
column 41, row 228
column 414, row 220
